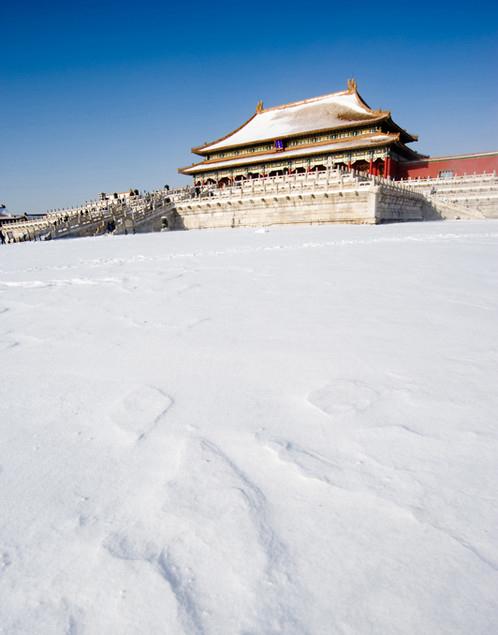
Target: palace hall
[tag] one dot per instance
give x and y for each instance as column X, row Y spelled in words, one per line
column 335, row 130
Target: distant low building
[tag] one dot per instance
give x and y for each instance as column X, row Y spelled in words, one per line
column 5, row 217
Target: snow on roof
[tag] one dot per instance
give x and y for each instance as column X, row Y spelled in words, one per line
column 318, row 113
column 359, row 142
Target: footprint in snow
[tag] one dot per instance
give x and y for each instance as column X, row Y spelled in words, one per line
column 141, row 410
column 5, row 561
column 343, row 396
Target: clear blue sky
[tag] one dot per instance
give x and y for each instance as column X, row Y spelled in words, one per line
column 102, row 96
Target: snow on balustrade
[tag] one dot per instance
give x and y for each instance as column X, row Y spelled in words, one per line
column 101, row 214
column 473, row 192
column 326, row 196
column 478, row 192
column 311, row 181
column 482, row 176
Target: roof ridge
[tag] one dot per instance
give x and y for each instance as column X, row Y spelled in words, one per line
column 308, row 100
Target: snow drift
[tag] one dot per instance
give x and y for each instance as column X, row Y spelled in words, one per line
column 291, row 431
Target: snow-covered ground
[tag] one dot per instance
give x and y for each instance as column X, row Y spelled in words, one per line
column 251, row 432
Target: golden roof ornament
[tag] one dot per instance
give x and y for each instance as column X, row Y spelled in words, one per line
column 352, row 85
column 259, row 107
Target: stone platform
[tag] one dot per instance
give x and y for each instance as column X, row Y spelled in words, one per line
column 324, row 197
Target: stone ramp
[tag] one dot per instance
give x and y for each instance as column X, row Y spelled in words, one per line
column 95, row 218
column 452, row 211
column 467, row 196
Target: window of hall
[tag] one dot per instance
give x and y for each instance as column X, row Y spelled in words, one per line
column 446, row 174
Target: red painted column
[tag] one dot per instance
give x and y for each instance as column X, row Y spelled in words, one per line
column 371, row 167
column 387, row 167
column 349, row 165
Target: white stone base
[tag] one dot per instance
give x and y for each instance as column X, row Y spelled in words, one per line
column 360, row 205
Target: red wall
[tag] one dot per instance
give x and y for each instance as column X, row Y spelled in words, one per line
column 459, row 166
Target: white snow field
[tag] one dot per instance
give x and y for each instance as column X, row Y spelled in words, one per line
column 289, row 431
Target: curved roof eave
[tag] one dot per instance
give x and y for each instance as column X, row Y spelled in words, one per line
column 277, row 156
column 198, row 149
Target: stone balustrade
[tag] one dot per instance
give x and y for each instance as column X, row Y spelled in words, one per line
column 94, row 217
column 322, row 197
column 475, row 193
column 331, row 195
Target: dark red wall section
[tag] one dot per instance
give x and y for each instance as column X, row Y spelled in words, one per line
column 458, row 165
